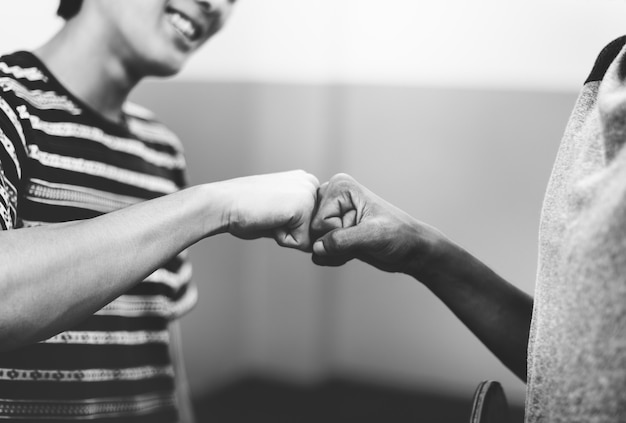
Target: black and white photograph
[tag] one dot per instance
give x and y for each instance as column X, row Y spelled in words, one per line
column 298, row 211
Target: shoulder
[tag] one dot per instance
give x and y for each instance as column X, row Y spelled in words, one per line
column 605, row 58
column 21, row 65
column 21, row 73
column 27, row 85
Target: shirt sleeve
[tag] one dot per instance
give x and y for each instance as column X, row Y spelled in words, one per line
column 12, row 158
column 605, row 58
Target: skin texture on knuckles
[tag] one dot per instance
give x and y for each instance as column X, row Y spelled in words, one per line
column 278, row 205
column 353, row 222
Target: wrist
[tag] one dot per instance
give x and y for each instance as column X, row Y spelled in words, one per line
column 214, row 207
column 431, row 255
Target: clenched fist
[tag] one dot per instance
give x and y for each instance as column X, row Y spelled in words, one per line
column 353, row 222
column 277, row 205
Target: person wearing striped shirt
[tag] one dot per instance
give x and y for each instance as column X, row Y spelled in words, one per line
column 96, row 216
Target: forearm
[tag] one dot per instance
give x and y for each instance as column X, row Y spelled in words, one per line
column 56, row 275
column 356, row 223
column 497, row 312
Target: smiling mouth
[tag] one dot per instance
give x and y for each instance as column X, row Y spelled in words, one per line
column 183, row 25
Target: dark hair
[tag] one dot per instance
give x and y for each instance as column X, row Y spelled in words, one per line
column 69, row 8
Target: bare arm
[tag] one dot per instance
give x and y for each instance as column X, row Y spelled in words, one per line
column 353, row 222
column 55, row 276
column 497, row 312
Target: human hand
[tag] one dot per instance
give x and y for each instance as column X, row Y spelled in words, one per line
column 276, row 205
column 353, row 222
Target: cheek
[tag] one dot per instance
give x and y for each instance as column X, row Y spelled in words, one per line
column 149, row 38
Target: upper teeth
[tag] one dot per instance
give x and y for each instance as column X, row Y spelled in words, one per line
column 182, row 24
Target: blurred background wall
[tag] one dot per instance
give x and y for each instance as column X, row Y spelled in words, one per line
column 450, row 110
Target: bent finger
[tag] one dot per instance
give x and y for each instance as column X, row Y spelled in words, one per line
column 297, row 238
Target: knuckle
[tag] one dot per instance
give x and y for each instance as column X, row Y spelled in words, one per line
column 316, row 225
column 343, row 177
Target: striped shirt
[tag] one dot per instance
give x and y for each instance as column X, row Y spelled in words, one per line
column 62, row 161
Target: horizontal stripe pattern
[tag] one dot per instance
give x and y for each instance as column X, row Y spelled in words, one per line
column 44, row 100
column 112, row 337
column 59, row 162
column 31, row 73
column 175, row 280
column 103, row 170
column 124, row 145
column 77, row 196
column 150, row 305
column 156, row 134
column 91, row 408
column 85, row 375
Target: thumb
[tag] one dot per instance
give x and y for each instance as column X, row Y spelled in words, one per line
column 341, row 241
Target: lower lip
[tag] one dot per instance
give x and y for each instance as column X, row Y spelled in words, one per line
column 181, row 39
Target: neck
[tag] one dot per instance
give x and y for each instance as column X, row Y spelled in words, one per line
column 89, row 68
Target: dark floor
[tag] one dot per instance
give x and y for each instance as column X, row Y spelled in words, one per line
column 265, row 401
